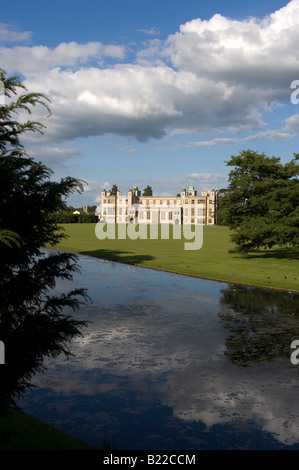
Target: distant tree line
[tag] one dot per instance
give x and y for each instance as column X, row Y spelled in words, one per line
column 67, row 216
column 90, row 209
column 70, row 218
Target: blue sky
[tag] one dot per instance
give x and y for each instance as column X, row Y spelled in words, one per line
column 160, row 92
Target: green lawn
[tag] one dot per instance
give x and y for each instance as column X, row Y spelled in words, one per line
column 28, row 433
column 277, row 268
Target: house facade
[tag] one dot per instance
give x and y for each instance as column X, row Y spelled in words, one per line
column 186, row 209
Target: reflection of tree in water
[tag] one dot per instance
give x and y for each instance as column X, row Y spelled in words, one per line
column 262, row 324
column 33, row 323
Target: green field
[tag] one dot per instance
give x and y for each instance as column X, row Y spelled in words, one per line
column 276, row 268
column 28, row 433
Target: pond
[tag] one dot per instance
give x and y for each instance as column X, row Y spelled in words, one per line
column 174, row 362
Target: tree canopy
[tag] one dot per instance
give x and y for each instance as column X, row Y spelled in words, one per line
column 33, row 321
column 114, row 190
column 261, row 203
column 148, row 191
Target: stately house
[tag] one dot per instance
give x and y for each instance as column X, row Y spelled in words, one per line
column 187, row 209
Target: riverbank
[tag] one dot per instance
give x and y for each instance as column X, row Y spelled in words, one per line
column 276, row 268
column 29, row 433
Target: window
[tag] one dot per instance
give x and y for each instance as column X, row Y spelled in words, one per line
column 110, row 211
column 162, row 215
column 170, row 216
column 148, row 215
column 186, row 211
column 141, row 215
column 120, row 211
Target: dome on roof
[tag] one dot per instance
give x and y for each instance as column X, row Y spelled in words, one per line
column 191, row 187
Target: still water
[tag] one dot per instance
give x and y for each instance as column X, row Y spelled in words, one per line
column 172, row 362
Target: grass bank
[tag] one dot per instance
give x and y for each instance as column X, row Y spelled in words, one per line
column 276, row 268
column 28, row 433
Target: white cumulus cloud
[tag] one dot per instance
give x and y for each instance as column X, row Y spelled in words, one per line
column 212, row 76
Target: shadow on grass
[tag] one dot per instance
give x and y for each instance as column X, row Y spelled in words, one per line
column 119, row 256
column 279, row 253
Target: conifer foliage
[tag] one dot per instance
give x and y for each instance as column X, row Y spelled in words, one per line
column 34, row 322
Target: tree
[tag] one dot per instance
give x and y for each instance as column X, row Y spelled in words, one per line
column 148, row 191
column 92, row 209
column 114, row 190
column 33, row 321
column 220, row 207
column 261, row 204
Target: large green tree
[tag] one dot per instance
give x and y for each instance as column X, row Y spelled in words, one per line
column 34, row 322
column 261, row 203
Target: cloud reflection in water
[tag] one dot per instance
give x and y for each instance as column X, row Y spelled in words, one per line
column 155, row 368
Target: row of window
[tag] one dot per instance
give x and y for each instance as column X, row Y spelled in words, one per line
column 147, row 202
column 187, row 213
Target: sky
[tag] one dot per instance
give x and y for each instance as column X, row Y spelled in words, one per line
column 159, row 92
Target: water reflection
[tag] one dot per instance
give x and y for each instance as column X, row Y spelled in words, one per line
column 262, row 324
column 159, row 366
